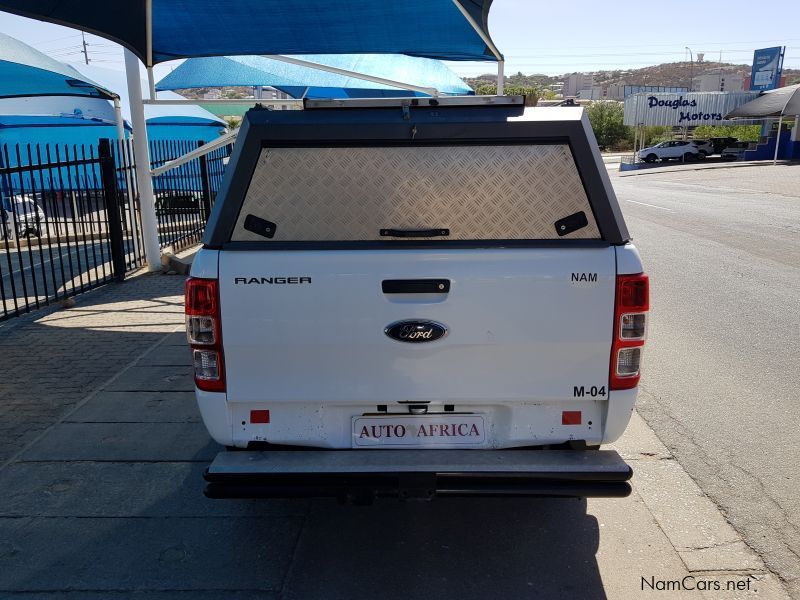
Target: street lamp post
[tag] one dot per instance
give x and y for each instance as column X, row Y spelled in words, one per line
column 691, row 68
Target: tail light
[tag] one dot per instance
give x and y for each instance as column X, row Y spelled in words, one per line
column 630, row 330
column 204, row 334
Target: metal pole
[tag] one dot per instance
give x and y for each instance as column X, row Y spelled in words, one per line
column 151, row 83
column 120, row 121
column 110, row 192
column 500, row 77
column 128, row 183
column 383, row 81
column 691, row 68
column 152, row 250
column 777, row 141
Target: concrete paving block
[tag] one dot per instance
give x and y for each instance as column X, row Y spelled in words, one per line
column 154, row 379
column 167, row 356
column 177, row 338
column 639, row 442
column 720, row 558
column 693, row 522
column 633, row 549
column 125, row 442
column 138, row 407
column 90, row 489
column 246, row 554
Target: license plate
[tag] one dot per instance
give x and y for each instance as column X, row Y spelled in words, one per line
column 418, row 430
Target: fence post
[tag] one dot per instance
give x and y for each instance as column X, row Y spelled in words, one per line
column 205, row 183
column 108, row 172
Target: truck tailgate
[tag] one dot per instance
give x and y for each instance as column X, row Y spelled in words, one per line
column 522, row 324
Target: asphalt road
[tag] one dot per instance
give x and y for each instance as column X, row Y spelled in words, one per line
column 722, row 366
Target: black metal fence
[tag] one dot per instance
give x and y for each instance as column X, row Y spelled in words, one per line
column 185, row 195
column 70, row 217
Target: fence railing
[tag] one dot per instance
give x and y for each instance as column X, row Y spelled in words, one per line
column 185, row 195
column 70, row 218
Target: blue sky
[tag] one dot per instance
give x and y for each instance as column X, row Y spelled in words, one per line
column 554, row 37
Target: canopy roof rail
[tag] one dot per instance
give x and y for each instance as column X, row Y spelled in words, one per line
column 440, row 101
column 355, row 74
column 206, row 148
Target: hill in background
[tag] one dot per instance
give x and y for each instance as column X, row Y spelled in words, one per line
column 666, row 74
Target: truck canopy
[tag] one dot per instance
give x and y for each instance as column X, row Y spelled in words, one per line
column 442, row 172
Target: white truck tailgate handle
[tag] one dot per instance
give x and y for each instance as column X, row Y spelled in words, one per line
column 415, row 286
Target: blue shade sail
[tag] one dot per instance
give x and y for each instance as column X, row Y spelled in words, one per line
column 25, row 71
column 297, row 80
column 192, row 28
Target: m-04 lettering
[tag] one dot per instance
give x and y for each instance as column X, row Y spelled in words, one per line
column 593, row 391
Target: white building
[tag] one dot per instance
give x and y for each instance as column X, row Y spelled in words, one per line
column 719, row 82
column 577, row 82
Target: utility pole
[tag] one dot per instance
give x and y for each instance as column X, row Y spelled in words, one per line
column 85, row 52
column 691, row 68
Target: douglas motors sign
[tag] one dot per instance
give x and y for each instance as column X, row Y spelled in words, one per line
column 687, row 109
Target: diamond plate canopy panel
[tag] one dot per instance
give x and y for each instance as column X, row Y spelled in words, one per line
column 478, row 192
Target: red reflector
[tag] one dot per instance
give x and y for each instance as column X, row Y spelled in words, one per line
column 571, row 417
column 259, row 416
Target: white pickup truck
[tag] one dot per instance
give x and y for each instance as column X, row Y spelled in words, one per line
column 416, row 298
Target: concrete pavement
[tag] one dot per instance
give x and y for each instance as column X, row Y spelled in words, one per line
column 102, row 497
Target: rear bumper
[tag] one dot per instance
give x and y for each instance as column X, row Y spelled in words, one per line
column 365, row 474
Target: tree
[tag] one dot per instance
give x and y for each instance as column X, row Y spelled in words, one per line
column 606, row 119
column 531, row 93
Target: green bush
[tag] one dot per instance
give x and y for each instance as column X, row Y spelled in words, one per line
column 744, row 133
column 531, row 93
column 606, row 119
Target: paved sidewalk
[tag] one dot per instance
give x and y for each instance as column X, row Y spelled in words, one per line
column 103, row 498
column 52, row 362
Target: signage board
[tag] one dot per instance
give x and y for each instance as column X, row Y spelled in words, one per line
column 767, row 67
column 683, row 110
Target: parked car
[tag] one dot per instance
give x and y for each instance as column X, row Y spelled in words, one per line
column 674, row 149
column 735, row 151
column 421, row 299
column 704, row 147
column 720, row 143
column 21, row 216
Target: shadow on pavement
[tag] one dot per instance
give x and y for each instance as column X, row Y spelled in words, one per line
column 449, row 548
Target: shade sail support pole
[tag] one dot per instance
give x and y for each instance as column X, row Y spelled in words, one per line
column 151, row 83
column 777, row 141
column 479, row 30
column 500, row 77
column 147, row 203
column 148, row 23
column 363, row 76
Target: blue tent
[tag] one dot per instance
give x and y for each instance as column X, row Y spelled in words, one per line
column 185, row 122
column 299, row 81
column 443, row 29
column 25, row 72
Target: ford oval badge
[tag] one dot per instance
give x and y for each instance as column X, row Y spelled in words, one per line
column 415, row 332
